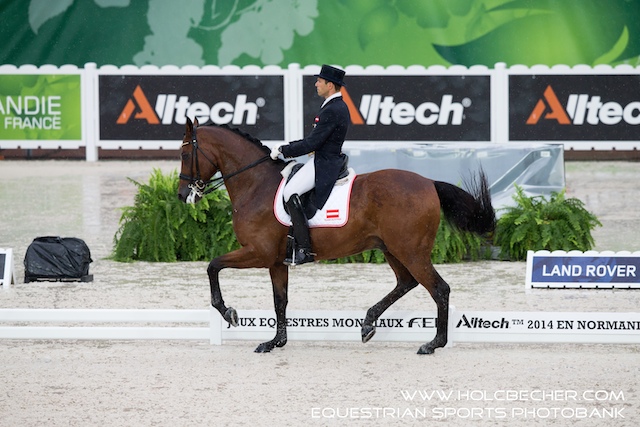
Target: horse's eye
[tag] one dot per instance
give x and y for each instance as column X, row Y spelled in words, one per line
column 185, row 156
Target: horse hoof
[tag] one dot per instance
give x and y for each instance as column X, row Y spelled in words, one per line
column 265, row 347
column 368, row 331
column 430, row 347
column 426, row 350
column 231, row 316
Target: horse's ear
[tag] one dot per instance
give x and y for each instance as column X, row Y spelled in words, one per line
column 195, row 122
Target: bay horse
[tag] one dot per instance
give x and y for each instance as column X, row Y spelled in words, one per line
column 392, row 210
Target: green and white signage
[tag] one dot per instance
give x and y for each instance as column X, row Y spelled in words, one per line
column 40, row 107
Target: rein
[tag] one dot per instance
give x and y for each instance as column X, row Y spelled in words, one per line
column 197, row 185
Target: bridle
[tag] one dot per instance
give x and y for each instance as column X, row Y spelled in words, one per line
column 196, row 184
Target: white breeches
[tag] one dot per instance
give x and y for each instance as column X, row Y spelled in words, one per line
column 304, row 180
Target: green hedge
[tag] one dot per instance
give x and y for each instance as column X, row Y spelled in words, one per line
column 537, row 223
column 159, row 227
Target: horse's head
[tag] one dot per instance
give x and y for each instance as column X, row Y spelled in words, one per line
column 197, row 167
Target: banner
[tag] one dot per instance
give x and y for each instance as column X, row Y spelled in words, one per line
column 545, row 327
column 420, row 326
column 411, row 108
column 40, row 107
column 582, row 270
column 574, row 107
column 313, row 32
column 142, row 107
column 332, row 325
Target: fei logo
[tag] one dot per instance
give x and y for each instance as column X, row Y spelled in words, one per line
column 581, row 109
column 171, row 108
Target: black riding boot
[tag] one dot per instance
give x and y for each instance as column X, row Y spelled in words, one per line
column 299, row 244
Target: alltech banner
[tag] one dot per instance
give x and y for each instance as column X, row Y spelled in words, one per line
column 40, row 107
column 142, row 107
column 574, row 107
column 411, row 108
column 420, row 326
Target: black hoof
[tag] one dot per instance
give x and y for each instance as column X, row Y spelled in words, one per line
column 231, row 316
column 368, row 331
column 425, row 349
column 265, row 347
column 430, row 347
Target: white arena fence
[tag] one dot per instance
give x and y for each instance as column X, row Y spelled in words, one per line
column 259, row 325
column 131, row 108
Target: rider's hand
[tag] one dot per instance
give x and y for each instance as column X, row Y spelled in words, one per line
column 275, row 151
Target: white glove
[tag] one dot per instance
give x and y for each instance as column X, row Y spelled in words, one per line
column 275, row 151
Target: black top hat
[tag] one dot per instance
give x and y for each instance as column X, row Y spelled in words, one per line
column 332, row 74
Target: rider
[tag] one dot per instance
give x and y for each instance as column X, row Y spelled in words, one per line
column 326, row 139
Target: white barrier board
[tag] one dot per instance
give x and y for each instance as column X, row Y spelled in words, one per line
column 260, row 325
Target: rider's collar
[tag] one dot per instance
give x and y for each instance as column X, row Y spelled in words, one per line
column 335, row 95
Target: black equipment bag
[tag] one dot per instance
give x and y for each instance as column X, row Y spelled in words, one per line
column 57, row 259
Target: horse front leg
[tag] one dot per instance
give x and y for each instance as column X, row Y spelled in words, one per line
column 241, row 258
column 280, row 282
column 228, row 313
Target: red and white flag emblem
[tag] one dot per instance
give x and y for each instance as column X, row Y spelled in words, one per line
column 333, row 214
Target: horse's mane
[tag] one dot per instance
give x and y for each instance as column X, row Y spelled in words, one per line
column 255, row 141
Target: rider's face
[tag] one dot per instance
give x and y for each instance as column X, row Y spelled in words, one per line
column 323, row 88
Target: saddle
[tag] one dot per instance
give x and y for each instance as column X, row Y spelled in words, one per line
column 308, row 199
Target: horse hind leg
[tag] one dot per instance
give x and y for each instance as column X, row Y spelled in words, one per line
column 279, row 280
column 406, row 282
column 439, row 290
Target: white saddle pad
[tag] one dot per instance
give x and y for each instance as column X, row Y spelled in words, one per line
column 335, row 212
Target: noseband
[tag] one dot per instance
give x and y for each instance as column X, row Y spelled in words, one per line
column 196, row 184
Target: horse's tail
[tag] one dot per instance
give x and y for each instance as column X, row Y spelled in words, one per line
column 469, row 211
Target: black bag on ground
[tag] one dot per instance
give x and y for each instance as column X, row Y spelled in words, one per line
column 57, row 259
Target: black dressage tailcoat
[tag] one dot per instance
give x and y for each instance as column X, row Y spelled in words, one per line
column 326, row 139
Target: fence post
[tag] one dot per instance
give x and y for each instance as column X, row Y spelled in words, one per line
column 90, row 110
column 500, row 104
column 293, row 114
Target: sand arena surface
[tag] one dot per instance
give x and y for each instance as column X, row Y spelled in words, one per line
column 305, row 383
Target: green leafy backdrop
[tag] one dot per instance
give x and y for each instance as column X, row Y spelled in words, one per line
column 343, row 32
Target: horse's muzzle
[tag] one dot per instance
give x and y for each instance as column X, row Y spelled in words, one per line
column 183, row 194
column 190, row 194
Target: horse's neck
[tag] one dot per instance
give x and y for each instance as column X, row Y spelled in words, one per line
column 251, row 185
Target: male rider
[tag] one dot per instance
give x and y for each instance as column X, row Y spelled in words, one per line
column 325, row 141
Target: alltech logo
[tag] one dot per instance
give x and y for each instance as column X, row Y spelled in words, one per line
column 172, row 108
column 378, row 109
column 134, row 107
column 481, row 323
column 583, row 108
column 411, row 108
column 574, row 107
